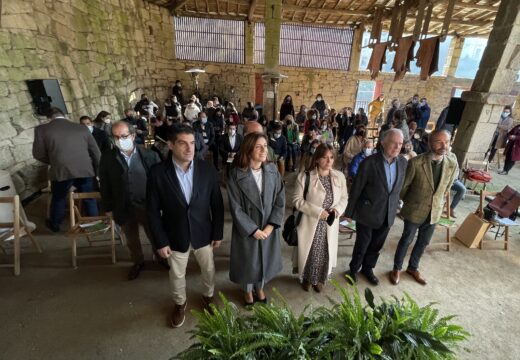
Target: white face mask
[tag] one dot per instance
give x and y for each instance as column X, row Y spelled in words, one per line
column 126, row 144
column 231, row 132
column 276, row 136
column 368, row 152
column 324, row 127
column 416, row 136
column 106, row 120
column 313, row 117
column 90, row 128
column 319, row 98
column 204, row 120
column 505, row 114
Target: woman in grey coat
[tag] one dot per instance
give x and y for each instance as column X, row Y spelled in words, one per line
column 257, row 202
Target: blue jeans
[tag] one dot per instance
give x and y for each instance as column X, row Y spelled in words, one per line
column 292, row 150
column 460, row 190
column 423, row 239
column 60, row 189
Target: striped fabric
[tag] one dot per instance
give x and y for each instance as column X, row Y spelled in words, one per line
column 214, row 40
column 308, row 46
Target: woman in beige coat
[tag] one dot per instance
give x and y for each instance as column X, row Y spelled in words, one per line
column 354, row 146
column 326, row 200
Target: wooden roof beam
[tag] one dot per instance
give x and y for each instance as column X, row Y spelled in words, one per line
column 178, row 4
column 251, row 12
column 314, row 10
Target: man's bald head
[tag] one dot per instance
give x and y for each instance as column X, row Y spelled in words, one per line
column 253, row 127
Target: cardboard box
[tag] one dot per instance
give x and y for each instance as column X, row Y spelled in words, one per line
column 472, row 230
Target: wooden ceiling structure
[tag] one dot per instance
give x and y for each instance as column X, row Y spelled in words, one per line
column 470, row 18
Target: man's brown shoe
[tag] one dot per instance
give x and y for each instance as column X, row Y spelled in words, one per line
column 207, row 303
column 178, row 315
column 395, row 276
column 417, row 276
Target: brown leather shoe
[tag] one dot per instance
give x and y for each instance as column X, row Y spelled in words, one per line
column 207, row 301
column 318, row 287
column 178, row 315
column 417, row 276
column 395, row 276
column 306, row 285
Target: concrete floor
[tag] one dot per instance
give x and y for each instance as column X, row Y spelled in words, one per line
column 54, row 312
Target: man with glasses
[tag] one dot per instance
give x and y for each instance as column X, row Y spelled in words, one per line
column 123, row 173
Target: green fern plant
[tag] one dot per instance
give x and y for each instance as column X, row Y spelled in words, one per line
column 349, row 330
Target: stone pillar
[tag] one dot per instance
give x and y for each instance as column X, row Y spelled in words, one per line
column 355, row 54
column 249, row 50
column 273, row 22
column 492, row 85
column 452, row 61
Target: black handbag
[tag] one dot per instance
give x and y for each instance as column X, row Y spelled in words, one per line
column 290, row 233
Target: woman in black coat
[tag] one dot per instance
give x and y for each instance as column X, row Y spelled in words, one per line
column 287, row 108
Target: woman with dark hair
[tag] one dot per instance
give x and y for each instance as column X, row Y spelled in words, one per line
column 399, row 122
column 104, row 122
column 287, row 107
column 326, row 199
column 361, row 117
column 312, row 121
column 320, row 105
column 512, row 151
column 257, row 203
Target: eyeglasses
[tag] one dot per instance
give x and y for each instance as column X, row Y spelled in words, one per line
column 124, row 137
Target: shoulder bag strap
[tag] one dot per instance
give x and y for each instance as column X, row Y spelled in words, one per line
column 305, row 191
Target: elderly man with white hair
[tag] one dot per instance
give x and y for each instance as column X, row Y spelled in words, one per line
column 373, row 203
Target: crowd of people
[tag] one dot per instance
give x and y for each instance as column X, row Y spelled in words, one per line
column 172, row 189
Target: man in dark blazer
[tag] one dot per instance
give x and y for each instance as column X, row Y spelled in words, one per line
column 204, row 127
column 229, row 145
column 123, row 173
column 101, row 137
column 73, row 156
column 373, row 203
column 186, row 212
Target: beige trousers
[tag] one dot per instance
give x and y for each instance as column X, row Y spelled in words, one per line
column 178, row 262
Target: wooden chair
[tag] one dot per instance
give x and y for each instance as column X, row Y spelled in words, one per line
column 505, row 233
column 89, row 227
column 447, row 223
column 15, row 230
column 475, row 165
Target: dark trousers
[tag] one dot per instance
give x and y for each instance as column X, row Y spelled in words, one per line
column 137, row 216
column 423, row 239
column 60, row 189
column 292, row 150
column 369, row 243
column 508, row 162
column 214, row 149
column 493, row 151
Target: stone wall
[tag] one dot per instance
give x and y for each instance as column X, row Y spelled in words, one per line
column 105, row 53
column 101, row 51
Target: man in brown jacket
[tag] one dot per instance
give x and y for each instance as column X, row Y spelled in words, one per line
column 73, row 156
column 429, row 177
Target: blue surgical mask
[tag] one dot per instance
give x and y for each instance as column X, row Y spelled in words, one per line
column 204, row 120
column 505, row 114
column 90, row 128
column 126, row 144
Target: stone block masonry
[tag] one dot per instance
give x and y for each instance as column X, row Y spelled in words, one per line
column 106, row 53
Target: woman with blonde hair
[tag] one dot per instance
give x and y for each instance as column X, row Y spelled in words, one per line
column 326, row 199
column 257, row 202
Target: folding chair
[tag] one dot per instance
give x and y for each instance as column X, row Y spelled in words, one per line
column 89, row 227
column 498, row 223
column 475, row 165
column 447, row 223
column 14, row 230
